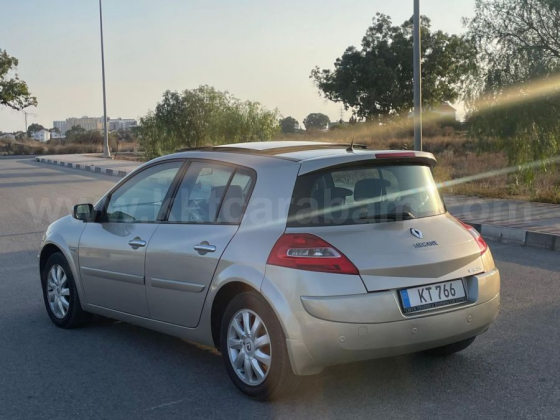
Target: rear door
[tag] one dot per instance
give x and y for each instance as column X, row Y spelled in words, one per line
column 389, row 220
column 185, row 250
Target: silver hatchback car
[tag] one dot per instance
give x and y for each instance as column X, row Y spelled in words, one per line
column 286, row 256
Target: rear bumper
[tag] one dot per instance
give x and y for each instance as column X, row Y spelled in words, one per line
column 341, row 329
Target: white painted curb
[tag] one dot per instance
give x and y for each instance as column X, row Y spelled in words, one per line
column 90, row 168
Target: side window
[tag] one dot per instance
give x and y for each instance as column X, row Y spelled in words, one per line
column 200, row 193
column 141, row 197
column 236, row 197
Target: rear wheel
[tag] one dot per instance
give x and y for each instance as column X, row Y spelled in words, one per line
column 450, row 349
column 60, row 294
column 254, row 348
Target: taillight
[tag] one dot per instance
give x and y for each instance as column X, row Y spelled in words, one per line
column 477, row 237
column 304, row 251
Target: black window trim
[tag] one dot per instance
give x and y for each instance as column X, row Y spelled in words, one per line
column 252, row 173
column 169, row 199
column 101, row 213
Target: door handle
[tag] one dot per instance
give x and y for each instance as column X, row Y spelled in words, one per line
column 137, row 243
column 204, row 247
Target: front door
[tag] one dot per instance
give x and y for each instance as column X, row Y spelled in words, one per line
column 112, row 251
column 185, row 250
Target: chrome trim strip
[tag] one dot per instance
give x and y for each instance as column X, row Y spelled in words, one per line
column 113, row 275
column 183, row 286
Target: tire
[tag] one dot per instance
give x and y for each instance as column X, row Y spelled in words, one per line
column 69, row 313
column 450, row 349
column 279, row 378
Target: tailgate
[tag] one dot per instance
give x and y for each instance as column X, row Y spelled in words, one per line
column 392, row 255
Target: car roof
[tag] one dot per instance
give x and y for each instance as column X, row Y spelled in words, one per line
column 311, row 155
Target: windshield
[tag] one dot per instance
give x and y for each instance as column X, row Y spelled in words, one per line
column 364, row 194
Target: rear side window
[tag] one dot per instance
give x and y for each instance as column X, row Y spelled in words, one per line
column 236, row 197
column 211, row 193
column 364, row 194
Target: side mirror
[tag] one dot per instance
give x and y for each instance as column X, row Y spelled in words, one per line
column 83, row 212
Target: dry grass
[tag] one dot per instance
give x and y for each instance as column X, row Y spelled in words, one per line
column 457, row 159
column 32, row 147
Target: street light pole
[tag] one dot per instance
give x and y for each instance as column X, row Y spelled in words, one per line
column 106, row 151
column 417, row 78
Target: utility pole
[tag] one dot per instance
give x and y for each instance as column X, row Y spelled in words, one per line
column 417, row 78
column 106, row 151
column 26, row 114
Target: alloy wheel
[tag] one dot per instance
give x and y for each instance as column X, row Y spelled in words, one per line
column 58, row 293
column 249, row 348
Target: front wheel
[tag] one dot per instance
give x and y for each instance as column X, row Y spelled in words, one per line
column 60, row 294
column 254, row 348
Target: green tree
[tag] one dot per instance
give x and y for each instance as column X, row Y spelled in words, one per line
column 519, row 51
column 316, row 121
column 289, row 125
column 33, row 128
column 14, row 92
column 376, row 81
column 75, row 132
column 203, row 116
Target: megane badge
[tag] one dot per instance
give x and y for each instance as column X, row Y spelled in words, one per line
column 416, row 232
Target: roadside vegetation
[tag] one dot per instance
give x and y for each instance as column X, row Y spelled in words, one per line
column 459, row 157
column 204, row 116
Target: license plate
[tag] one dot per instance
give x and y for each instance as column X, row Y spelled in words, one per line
column 433, row 296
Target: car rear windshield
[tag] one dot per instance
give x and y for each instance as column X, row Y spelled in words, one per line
column 364, row 194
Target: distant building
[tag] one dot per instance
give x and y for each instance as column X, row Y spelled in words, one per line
column 41, row 135
column 121, row 124
column 55, row 134
column 87, row 123
column 61, row 125
column 446, row 111
column 94, row 123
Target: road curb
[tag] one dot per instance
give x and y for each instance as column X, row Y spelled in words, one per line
column 90, row 168
column 519, row 236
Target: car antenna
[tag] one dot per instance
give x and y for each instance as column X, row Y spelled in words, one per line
column 350, row 148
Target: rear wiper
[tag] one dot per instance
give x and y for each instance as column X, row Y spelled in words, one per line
column 404, row 215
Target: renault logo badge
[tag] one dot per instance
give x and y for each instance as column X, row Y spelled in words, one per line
column 416, row 232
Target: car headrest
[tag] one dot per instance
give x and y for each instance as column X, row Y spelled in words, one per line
column 366, row 189
column 335, row 195
column 217, row 192
column 234, row 192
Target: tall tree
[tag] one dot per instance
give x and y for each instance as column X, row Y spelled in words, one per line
column 203, row 116
column 376, row 80
column 289, row 125
column 518, row 106
column 14, row 92
column 316, row 121
column 75, row 132
column 33, row 128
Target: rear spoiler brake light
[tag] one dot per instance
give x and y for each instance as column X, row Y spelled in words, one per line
column 395, row 155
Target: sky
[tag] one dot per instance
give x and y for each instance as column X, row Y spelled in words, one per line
column 257, row 50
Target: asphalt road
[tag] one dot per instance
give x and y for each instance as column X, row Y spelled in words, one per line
column 115, row 370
